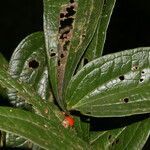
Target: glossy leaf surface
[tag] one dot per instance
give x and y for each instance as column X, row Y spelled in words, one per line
column 28, row 94
column 82, row 34
column 82, row 127
column 112, row 85
column 39, row 130
column 132, row 136
column 4, row 64
column 28, row 64
column 64, row 53
column 95, row 48
column 15, row 141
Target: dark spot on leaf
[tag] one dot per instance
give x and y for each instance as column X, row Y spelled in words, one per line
column 71, row 1
column 109, row 137
column 64, row 35
column 66, row 25
column 53, row 54
column 121, row 77
column 134, row 68
column 117, row 141
column 83, row 35
column 126, row 100
column 62, row 55
column 141, row 80
column 65, row 45
column 33, row 64
column 66, row 22
column 70, row 11
column 105, row 1
column 85, row 61
column 58, row 62
column 62, row 15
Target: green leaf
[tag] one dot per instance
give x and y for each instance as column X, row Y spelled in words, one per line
column 94, row 50
column 96, row 46
column 28, row 64
column 103, row 25
column 28, row 94
column 133, row 136
column 2, row 139
column 41, row 131
column 51, row 31
column 84, row 28
column 72, row 19
column 15, row 141
column 113, row 85
column 82, row 127
column 4, row 63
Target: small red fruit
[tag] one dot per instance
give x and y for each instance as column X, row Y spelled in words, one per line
column 68, row 121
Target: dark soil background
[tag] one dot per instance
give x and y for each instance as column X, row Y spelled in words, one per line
column 129, row 26
column 18, row 18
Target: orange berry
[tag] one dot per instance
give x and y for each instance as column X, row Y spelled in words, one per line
column 68, row 121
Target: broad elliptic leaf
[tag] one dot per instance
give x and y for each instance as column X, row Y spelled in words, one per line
column 96, row 46
column 28, row 64
column 133, row 136
column 39, row 130
column 68, row 31
column 94, row 50
column 84, row 28
column 28, row 94
column 113, row 85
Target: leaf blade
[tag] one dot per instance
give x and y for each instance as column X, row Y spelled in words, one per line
column 96, row 47
column 39, row 130
column 51, row 32
column 80, row 42
column 28, row 94
column 62, row 68
column 131, row 136
column 119, row 74
column 4, row 63
column 28, row 64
